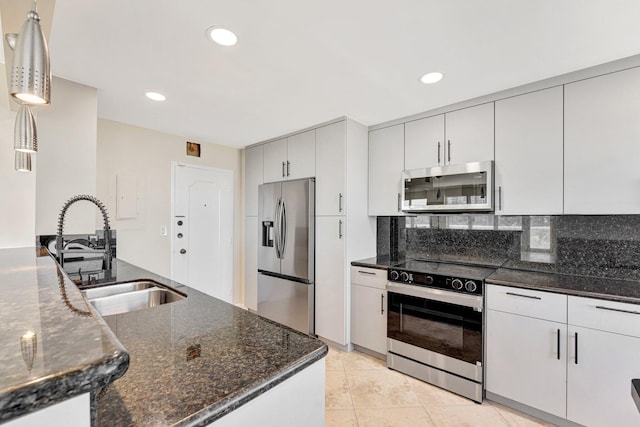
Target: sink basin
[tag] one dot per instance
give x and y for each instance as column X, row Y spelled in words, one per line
column 131, row 296
column 120, row 288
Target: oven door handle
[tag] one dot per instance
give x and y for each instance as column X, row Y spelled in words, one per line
column 465, row 300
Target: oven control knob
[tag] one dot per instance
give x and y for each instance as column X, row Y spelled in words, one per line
column 470, row 286
column 404, row 276
column 456, row 284
column 394, row 275
column 428, row 280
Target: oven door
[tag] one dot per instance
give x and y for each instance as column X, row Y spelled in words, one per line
column 443, row 322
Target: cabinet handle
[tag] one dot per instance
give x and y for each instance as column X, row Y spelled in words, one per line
column 288, row 163
column 381, row 303
column 399, row 207
column 576, row 347
column 438, row 152
column 340, row 229
column 449, row 150
column 523, row 296
column 619, row 310
column 283, row 169
column 500, row 198
column 558, row 344
column 367, row 272
column 339, row 202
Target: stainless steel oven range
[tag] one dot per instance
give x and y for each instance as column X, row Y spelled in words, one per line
column 435, row 324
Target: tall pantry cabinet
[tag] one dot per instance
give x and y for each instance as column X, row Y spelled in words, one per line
column 344, row 231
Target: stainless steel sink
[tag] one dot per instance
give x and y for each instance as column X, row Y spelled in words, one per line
column 131, row 296
column 105, row 291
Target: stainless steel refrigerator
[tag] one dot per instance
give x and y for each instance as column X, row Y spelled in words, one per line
column 286, row 253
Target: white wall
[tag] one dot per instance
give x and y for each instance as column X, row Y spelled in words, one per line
column 18, row 189
column 147, row 155
column 67, row 131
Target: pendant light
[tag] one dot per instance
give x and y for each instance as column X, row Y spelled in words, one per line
column 23, row 161
column 31, row 71
column 25, row 135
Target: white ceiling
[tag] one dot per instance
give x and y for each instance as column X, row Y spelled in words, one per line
column 301, row 62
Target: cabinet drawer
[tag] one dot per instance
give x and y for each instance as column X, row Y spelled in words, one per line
column 526, row 302
column 610, row 316
column 373, row 277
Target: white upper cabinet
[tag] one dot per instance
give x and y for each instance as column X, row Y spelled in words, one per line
column 275, row 160
column 469, row 134
column 301, row 155
column 602, row 144
column 290, row 158
column 424, row 142
column 331, row 151
column 386, row 163
column 253, row 165
column 529, row 157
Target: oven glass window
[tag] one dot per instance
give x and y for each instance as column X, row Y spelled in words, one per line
column 444, row 328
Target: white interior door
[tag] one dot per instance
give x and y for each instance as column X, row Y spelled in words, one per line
column 202, row 250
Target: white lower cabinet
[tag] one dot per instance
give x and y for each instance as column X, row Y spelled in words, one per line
column 529, row 371
column 608, row 357
column 369, row 308
column 331, row 292
column 584, row 377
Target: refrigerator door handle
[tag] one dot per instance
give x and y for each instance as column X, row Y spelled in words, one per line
column 283, row 229
column 276, row 229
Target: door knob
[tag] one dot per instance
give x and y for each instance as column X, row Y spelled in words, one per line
column 183, row 251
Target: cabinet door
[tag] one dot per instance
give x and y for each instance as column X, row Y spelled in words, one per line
column 529, row 156
column 253, row 169
column 424, row 142
column 275, row 160
column 526, row 362
column 331, row 287
column 251, row 263
column 386, row 163
column 330, row 169
column 599, row 382
column 301, row 153
column 369, row 318
column 601, row 149
column 469, row 134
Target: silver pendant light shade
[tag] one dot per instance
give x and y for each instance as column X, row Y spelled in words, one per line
column 25, row 134
column 23, row 161
column 31, row 71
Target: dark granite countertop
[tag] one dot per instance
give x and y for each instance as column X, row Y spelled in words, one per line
column 593, row 287
column 585, row 286
column 195, row 360
column 53, row 346
column 381, row 262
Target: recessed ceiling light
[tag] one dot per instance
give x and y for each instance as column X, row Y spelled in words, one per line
column 155, row 96
column 222, row 36
column 431, row 78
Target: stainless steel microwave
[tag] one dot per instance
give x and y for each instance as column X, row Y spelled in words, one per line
column 452, row 188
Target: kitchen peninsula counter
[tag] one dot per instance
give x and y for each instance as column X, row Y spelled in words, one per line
column 189, row 362
column 53, row 346
column 196, row 360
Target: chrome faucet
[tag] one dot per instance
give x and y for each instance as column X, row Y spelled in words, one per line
column 107, row 228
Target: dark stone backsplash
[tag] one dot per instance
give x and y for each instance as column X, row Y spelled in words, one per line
column 487, row 247
column 597, row 246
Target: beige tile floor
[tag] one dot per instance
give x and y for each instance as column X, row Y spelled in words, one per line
column 362, row 392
